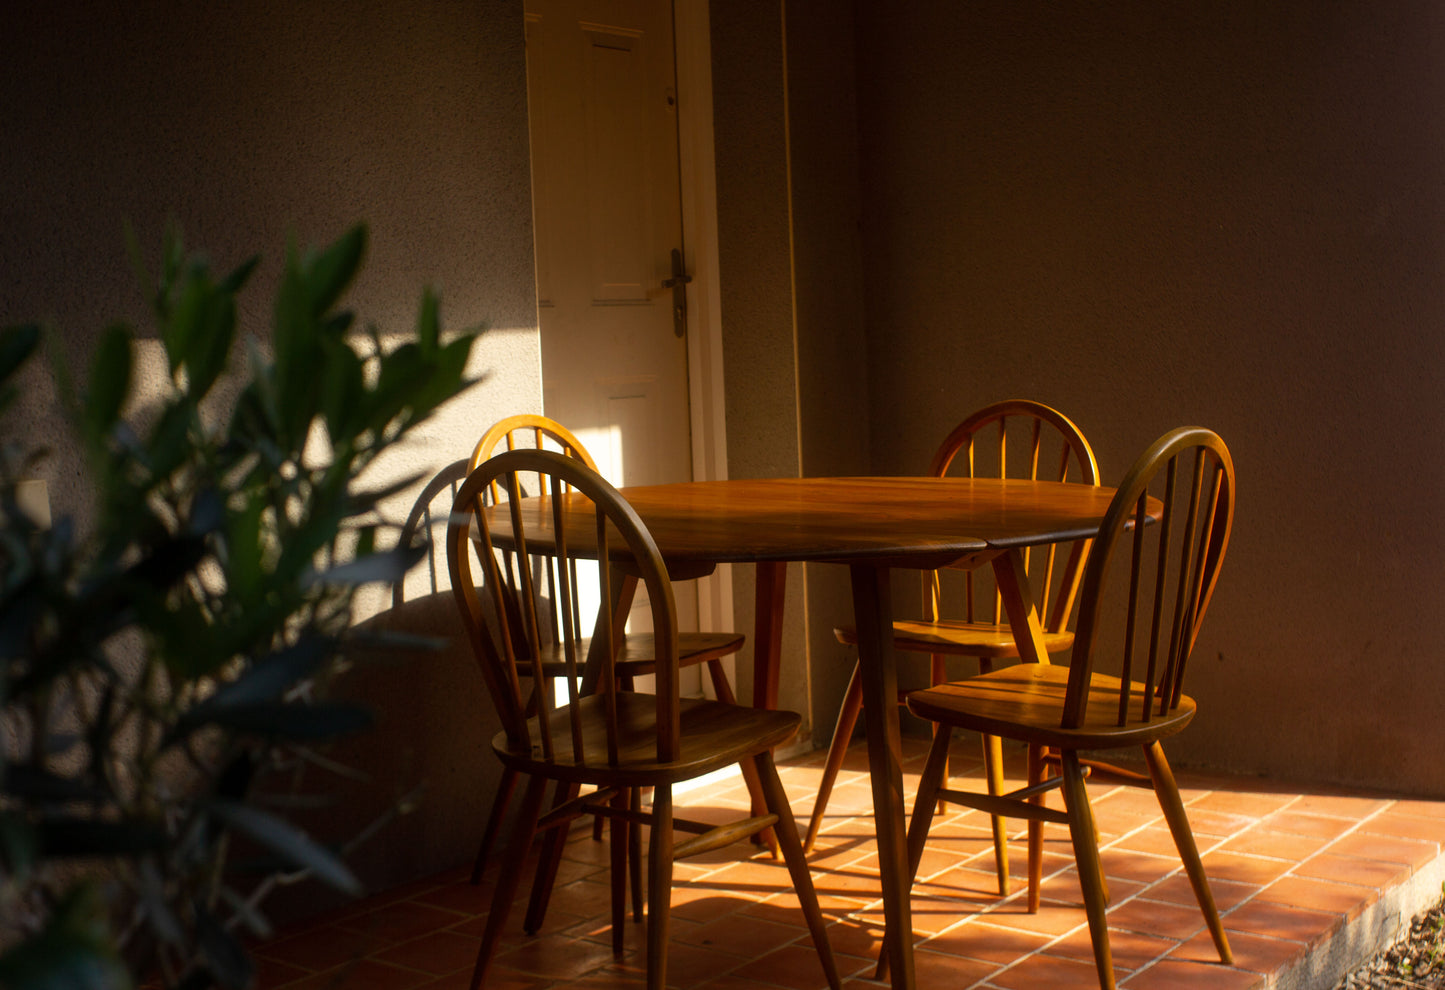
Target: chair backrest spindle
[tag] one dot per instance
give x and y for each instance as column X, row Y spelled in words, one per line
column 1176, row 552
column 1039, row 431
column 581, row 523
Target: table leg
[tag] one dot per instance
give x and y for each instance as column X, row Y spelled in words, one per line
column 873, row 615
column 1018, row 603
column 621, row 594
column 772, row 581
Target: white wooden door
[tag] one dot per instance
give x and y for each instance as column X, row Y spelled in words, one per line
column 607, row 212
column 608, row 216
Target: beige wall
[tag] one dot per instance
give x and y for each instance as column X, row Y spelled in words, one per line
column 248, row 124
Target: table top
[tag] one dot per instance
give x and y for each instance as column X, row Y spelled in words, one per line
column 915, row 522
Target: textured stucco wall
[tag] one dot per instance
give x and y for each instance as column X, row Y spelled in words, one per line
column 249, row 125
column 754, row 261
column 833, row 397
column 1228, row 214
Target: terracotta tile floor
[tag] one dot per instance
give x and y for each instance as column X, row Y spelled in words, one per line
column 1297, row 873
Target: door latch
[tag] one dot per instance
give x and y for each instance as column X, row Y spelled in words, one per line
column 678, row 284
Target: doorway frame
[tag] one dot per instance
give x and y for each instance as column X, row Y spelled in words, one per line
column 692, row 56
column 707, row 410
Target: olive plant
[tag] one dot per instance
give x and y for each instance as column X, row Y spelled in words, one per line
column 164, row 672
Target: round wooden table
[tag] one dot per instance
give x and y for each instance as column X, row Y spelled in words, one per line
column 870, row 525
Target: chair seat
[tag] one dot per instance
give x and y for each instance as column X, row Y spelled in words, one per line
column 974, row 639
column 1026, row 702
column 637, row 658
column 713, row 735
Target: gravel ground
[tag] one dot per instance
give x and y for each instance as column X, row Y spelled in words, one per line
column 1416, row 961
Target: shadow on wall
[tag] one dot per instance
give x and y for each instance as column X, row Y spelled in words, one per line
column 428, row 751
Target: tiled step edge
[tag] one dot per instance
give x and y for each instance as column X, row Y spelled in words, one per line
column 1376, row 927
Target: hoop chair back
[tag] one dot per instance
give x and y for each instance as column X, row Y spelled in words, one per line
column 542, row 431
column 1170, row 568
column 529, row 431
column 577, row 517
column 1022, row 439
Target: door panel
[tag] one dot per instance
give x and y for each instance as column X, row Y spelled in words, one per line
column 607, row 211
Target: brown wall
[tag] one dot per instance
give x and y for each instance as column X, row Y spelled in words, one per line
column 790, row 252
column 248, row 126
column 1228, row 215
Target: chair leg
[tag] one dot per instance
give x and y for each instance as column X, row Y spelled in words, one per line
column 724, row 692
column 993, row 771
column 837, row 750
column 620, row 831
column 1036, row 831
column 926, row 798
column 548, row 863
column 510, row 877
column 787, row 832
column 505, row 788
column 938, row 674
column 1091, row 870
column 634, row 855
column 659, row 887
column 1167, row 791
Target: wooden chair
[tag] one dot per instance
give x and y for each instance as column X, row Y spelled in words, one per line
column 425, row 525
column 1145, row 591
column 637, row 649
column 614, row 740
column 1046, row 445
column 634, row 655
column 434, row 615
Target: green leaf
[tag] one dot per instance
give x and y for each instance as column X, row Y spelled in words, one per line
column 169, row 444
column 182, row 323
column 210, row 348
column 173, row 255
column 18, row 845
column 273, row 676
column 245, row 547
column 298, row 352
column 17, row 344
column 109, row 381
column 447, row 378
column 334, row 268
column 225, row 957
column 159, row 915
column 75, row 950
column 288, row 842
column 185, row 639
column 234, row 282
column 343, row 388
